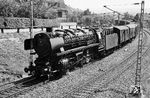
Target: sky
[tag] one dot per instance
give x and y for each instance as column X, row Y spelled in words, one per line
column 121, row 6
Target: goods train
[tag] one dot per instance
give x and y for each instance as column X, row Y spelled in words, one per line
column 69, row 48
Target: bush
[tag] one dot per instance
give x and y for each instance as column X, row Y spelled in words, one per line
column 50, row 22
column 15, row 23
column 25, row 22
column 38, row 22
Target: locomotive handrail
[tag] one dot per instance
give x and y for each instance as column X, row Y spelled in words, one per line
column 77, row 49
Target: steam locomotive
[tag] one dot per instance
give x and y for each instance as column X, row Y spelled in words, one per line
column 69, row 48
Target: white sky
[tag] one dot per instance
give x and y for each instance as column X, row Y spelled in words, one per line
column 117, row 5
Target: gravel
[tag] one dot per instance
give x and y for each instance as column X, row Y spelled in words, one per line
column 125, row 81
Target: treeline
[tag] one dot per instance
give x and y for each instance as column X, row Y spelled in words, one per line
column 88, row 18
column 16, row 13
column 47, row 10
column 21, row 8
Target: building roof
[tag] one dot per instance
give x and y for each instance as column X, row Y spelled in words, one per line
column 62, row 9
column 131, row 25
column 121, row 27
column 107, row 28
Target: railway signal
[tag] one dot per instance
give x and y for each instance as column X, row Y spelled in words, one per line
column 136, row 89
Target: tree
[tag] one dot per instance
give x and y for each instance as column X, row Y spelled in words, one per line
column 38, row 8
column 50, row 14
column 21, row 8
column 8, row 8
column 24, row 10
column 127, row 16
column 137, row 17
column 87, row 21
column 96, row 20
column 87, row 12
column 72, row 18
column 75, row 16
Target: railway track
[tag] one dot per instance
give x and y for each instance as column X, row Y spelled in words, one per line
column 8, row 89
column 11, row 73
column 100, row 82
column 13, row 89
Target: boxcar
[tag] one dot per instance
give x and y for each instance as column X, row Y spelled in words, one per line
column 123, row 33
column 111, row 38
column 137, row 29
column 132, row 30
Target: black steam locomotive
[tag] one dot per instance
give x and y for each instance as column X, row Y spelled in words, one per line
column 69, row 48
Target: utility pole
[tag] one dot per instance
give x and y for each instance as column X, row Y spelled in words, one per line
column 31, row 32
column 118, row 19
column 136, row 89
column 104, row 18
column 113, row 18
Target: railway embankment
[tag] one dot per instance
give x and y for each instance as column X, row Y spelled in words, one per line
column 13, row 57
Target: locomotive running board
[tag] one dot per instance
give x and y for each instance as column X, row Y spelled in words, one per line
column 77, row 49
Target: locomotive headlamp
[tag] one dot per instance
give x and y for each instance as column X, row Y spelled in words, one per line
column 26, row 70
column 46, row 69
column 47, row 63
column 64, row 61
